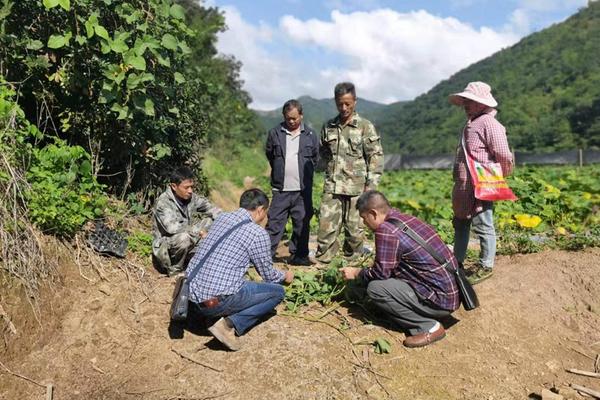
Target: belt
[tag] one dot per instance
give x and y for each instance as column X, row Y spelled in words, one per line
column 210, row 303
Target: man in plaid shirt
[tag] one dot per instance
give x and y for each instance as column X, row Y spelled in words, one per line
column 219, row 288
column 485, row 140
column 405, row 281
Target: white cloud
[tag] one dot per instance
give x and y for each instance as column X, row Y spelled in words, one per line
column 261, row 72
column 395, row 56
column 389, row 55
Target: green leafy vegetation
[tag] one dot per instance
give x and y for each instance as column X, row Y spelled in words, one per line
column 63, row 193
column 135, row 83
column 140, row 242
column 314, row 286
column 556, row 206
column 59, row 190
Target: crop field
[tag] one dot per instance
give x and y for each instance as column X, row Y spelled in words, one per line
column 558, row 207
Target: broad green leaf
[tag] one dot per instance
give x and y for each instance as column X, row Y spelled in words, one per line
column 85, row 167
column 164, row 61
column 50, row 3
column 177, row 11
column 80, row 39
column 147, row 77
column 101, row 32
column 174, row 111
column 105, row 47
column 169, row 42
column 133, row 80
column 137, row 62
column 119, row 46
column 65, row 4
column 185, row 49
column 35, row 45
column 119, row 78
column 382, row 346
column 179, row 78
column 56, row 41
column 132, row 17
column 89, row 28
column 149, row 107
column 122, row 110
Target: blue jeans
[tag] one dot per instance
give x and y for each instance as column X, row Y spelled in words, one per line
column 483, row 226
column 245, row 308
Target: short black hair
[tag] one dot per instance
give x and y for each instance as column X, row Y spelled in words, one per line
column 291, row 104
column 181, row 174
column 343, row 88
column 372, row 200
column 251, row 199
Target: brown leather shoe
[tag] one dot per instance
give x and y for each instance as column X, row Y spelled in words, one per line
column 425, row 338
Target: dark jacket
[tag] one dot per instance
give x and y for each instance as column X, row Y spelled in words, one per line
column 308, row 155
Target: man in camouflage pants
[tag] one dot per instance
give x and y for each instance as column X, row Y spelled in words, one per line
column 181, row 219
column 351, row 150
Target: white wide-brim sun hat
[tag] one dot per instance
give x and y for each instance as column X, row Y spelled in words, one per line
column 480, row 92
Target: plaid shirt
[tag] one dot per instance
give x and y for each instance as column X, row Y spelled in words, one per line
column 398, row 256
column 223, row 271
column 485, row 140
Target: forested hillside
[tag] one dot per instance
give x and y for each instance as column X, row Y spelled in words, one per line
column 547, row 85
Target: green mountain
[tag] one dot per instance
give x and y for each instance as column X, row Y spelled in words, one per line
column 317, row 112
column 547, row 87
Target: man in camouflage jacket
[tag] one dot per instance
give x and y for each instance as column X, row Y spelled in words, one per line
column 181, row 219
column 351, row 150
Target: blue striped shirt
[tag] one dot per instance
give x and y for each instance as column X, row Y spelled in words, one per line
column 223, row 271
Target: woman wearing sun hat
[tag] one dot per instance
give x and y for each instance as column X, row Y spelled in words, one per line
column 484, row 138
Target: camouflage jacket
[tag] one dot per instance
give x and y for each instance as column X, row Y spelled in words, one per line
column 170, row 218
column 352, row 155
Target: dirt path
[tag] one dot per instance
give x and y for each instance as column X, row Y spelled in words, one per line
column 110, row 339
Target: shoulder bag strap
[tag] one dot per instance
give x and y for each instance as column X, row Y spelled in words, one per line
column 417, row 238
column 192, row 274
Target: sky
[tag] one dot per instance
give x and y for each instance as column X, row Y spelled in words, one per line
column 390, row 50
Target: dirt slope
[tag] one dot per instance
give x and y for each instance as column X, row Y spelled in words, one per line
column 110, row 339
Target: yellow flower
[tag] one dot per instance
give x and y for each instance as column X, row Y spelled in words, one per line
column 587, row 195
column 552, row 189
column 561, row 231
column 528, row 221
column 414, row 204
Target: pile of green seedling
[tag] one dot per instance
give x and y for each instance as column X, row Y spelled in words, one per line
column 322, row 286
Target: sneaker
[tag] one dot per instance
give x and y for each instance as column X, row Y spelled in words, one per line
column 479, row 275
column 303, row 261
column 225, row 334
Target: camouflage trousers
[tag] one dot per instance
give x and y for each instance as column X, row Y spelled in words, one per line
column 338, row 211
column 174, row 253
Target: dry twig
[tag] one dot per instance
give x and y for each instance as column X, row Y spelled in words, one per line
column 195, row 361
column 584, row 373
column 21, row 376
column 586, row 390
column 6, row 318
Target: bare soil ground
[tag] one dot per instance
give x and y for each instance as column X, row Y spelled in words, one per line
column 107, row 336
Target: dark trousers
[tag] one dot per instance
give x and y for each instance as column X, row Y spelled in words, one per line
column 298, row 206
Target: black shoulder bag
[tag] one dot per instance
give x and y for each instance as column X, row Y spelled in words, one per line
column 468, row 297
column 181, row 293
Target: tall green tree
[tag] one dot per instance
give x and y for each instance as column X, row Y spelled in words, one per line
column 114, row 77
